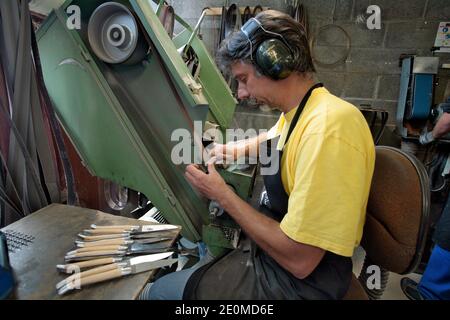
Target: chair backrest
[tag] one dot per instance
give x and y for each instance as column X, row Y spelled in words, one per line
column 397, row 212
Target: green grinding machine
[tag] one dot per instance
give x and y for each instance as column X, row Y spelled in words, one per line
column 121, row 85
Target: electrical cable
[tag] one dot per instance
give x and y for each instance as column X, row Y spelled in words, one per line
column 8, row 175
column 384, row 119
column 435, row 172
column 7, row 203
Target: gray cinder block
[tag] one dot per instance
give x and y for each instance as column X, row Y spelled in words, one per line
column 411, row 34
column 389, row 87
column 361, row 85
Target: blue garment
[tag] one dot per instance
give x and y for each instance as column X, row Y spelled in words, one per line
column 169, row 287
column 442, row 233
column 6, row 282
column 6, row 276
column 435, row 282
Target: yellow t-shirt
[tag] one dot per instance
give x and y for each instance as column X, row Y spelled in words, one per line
column 326, row 170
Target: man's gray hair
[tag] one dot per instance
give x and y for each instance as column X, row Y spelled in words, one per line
column 236, row 47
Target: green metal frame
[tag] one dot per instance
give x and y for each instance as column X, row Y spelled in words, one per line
column 214, row 88
column 120, row 118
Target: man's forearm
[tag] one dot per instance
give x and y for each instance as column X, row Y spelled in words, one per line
column 251, row 145
column 442, row 126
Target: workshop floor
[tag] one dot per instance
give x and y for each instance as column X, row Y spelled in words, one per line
column 393, row 290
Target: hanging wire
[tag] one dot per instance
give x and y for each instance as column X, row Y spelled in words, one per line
column 430, row 149
column 435, row 169
column 8, row 202
column 384, row 120
column 8, row 177
column 26, row 155
column 334, row 12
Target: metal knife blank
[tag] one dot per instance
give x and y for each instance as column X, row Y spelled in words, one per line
column 130, row 229
column 86, row 244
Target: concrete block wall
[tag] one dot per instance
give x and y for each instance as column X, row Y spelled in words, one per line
column 370, row 76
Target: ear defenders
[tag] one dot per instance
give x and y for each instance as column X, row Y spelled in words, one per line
column 273, row 57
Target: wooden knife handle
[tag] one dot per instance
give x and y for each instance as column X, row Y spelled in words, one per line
column 127, row 227
column 100, row 243
column 96, row 253
column 100, row 277
column 95, row 278
column 69, row 268
column 105, row 231
column 103, row 237
column 86, row 273
column 101, row 248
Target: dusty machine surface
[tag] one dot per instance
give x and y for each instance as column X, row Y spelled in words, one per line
column 121, row 87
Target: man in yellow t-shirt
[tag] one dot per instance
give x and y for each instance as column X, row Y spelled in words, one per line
column 326, row 170
column 314, row 207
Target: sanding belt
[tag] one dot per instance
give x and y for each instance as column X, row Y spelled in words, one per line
column 167, row 18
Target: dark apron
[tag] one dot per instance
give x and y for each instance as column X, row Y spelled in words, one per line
column 251, row 274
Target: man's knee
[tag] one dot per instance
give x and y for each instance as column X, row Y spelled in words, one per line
column 160, row 290
column 169, row 287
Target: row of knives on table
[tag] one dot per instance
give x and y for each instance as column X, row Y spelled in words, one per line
column 107, row 252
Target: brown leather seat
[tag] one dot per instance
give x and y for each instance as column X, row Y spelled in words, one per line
column 397, row 216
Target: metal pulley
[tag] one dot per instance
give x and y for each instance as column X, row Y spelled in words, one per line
column 114, row 35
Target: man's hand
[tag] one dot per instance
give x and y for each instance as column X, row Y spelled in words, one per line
column 210, row 185
column 298, row 258
column 230, row 152
column 442, row 127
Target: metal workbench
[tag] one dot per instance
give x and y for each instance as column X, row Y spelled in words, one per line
column 49, row 233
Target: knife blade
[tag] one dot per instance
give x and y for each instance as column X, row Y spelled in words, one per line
column 129, row 249
column 150, row 257
column 147, row 266
column 127, row 236
column 107, row 242
column 95, row 254
column 132, row 230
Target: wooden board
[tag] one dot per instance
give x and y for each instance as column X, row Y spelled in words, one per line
column 55, row 229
